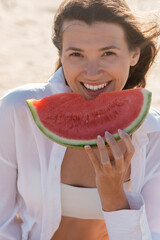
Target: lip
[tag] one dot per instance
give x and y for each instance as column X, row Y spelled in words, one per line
column 92, row 93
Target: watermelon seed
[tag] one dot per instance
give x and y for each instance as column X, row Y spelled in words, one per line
column 87, row 121
column 99, row 115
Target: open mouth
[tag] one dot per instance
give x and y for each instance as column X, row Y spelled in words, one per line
column 95, row 89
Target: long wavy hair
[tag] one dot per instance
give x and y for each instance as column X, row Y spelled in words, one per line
column 142, row 34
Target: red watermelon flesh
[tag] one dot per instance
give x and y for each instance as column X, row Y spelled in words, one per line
column 69, row 119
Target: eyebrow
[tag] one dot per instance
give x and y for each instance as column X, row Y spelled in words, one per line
column 74, row 49
column 109, row 47
column 101, row 49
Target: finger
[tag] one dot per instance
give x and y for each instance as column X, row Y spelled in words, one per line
column 93, row 158
column 128, row 142
column 102, row 150
column 116, row 151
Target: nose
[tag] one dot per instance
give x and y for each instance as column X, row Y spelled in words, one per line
column 92, row 70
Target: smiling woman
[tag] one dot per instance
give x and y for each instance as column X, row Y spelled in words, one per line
column 137, row 33
column 84, row 194
column 96, row 58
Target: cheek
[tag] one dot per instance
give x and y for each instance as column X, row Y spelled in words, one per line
column 67, row 70
column 71, row 72
column 122, row 74
column 66, row 65
column 70, row 77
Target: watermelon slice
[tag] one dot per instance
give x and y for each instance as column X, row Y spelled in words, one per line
column 70, row 120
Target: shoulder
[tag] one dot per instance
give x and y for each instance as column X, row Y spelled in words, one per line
column 20, row 94
column 152, row 122
column 149, row 132
column 14, row 105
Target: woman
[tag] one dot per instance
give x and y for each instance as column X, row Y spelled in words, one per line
column 106, row 193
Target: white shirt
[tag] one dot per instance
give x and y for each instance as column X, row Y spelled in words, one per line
column 30, row 166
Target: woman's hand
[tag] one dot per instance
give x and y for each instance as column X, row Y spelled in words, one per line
column 110, row 174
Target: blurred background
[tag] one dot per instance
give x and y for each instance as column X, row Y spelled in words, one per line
column 26, row 50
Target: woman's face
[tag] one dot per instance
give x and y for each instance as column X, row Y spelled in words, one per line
column 95, row 58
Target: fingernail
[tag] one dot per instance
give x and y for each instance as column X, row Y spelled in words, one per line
column 108, row 135
column 86, row 147
column 99, row 139
column 121, row 132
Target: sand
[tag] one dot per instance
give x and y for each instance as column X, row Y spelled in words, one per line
column 26, row 50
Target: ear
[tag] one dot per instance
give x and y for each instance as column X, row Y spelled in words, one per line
column 135, row 55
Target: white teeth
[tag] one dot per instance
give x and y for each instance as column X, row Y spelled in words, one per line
column 94, row 88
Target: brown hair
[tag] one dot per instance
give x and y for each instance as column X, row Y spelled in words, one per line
column 138, row 34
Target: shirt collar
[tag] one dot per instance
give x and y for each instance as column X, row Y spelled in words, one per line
column 57, row 82
column 151, row 123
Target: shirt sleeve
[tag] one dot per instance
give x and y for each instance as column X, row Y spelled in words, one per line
column 129, row 224
column 141, row 222
column 9, row 227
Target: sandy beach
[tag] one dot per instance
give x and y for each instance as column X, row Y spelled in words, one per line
column 26, row 50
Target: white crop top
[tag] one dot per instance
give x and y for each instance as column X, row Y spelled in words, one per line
column 82, row 202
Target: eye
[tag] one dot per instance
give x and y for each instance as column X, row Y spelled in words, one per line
column 109, row 53
column 76, row 54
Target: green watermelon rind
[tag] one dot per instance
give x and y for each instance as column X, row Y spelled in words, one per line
column 145, row 109
column 93, row 142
